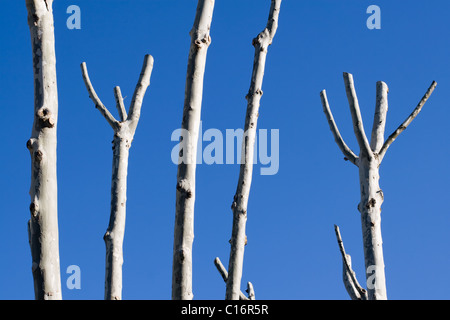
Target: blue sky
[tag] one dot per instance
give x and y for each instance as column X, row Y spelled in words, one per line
column 292, row 251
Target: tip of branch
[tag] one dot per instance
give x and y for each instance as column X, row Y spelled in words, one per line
column 149, row 59
column 383, row 84
column 348, row 79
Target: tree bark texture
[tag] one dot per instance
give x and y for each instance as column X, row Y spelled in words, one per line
column 239, row 205
column 185, row 190
column 43, row 224
column 124, row 131
column 369, row 160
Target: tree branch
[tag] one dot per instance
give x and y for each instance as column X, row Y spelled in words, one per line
column 119, row 104
column 352, row 285
column 358, row 126
column 406, row 123
column 272, row 21
column 379, row 120
column 348, row 153
column 123, row 135
column 98, row 104
column 138, row 96
column 223, row 272
column 251, row 291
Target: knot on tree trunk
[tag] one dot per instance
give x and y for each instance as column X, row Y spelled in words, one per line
column 34, row 210
column 262, row 40
column 380, row 192
column 203, row 42
column 38, row 155
column 250, row 94
column 181, row 254
column 236, row 206
column 107, row 237
column 31, row 144
column 245, row 241
column 45, row 118
column 183, row 187
column 371, row 203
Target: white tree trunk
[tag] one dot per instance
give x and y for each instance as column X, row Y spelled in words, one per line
column 116, row 229
column 239, row 206
column 370, row 208
column 124, row 131
column 43, row 225
column 369, row 161
column 185, row 194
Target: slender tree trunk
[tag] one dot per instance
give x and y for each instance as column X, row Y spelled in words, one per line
column 116, row 229
column 185, row 195
column 370, row 209
column 239, row 206
column 124, row 131
column 43, row 225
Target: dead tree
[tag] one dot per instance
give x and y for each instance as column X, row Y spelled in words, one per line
column 240, row 201
column 124, row 131
column 185, row 194
column 43, row 224
column 369, row 160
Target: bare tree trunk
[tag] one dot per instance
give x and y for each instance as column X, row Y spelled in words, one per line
column 43, row 225
column 185, row 195
column 239, row 206
column 372, row 197
column 124, row 131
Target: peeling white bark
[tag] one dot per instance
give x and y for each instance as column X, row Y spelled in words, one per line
column 43, row 225
column 124, row 131
column 239, row 206
column 185, row 194
column 369, row 161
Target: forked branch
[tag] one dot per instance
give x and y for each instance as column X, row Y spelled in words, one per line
column 407, row 122
column 123, row 136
